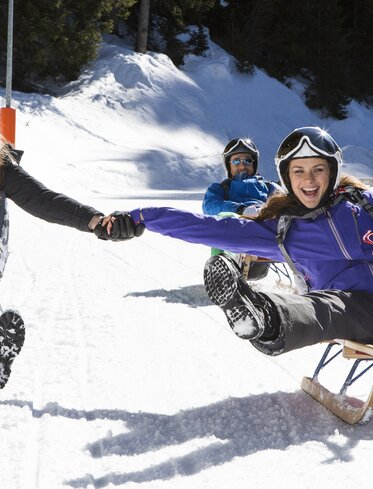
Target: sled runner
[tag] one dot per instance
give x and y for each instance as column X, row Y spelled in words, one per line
column 349, row 409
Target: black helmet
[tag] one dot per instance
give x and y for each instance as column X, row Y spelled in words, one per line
column 240, row 145
column 308, row 142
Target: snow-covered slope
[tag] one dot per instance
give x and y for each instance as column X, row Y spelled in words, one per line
column 151, row 125
column 129, row 377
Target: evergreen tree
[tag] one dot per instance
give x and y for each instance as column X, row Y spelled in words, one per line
column 198, row 42
column 288, row 38
column 177, row 14
column 143, row 26
column 242, row 28
column 328, row 43
column 55, row 38
column 329, row 86
column 284, row 52
column 359, row 59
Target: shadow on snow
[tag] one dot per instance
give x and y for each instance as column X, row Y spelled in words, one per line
column 239, row 426
column 192, row 295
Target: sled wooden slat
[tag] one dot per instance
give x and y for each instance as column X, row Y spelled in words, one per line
column 352, row 349
column 349, row 409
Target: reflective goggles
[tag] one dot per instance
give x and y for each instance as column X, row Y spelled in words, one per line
column 244, row 161
column 237, row 143
column 317, row 139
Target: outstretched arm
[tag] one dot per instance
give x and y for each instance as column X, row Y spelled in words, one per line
column 231, row 234
column 36, row 199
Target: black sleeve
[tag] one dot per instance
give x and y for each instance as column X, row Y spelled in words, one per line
column 36, row 199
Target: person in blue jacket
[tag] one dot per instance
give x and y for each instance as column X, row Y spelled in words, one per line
column 322, row 226
column 242, row 192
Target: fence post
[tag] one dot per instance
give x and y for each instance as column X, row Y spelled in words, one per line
column 8, row 114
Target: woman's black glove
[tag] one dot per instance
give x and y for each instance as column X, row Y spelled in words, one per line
column 119, row 227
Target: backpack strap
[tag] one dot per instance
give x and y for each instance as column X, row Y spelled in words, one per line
column 283, row 227
column 354, row 195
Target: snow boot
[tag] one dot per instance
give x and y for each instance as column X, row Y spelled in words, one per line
column 12, row 337
column 248, row 312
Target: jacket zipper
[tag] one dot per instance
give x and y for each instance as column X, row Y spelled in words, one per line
column 338, row 238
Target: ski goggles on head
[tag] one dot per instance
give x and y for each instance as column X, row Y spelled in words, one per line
column 244, row 161
column 317, row 139
column 240, row 144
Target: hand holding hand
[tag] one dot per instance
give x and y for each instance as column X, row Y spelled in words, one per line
column 118, row 226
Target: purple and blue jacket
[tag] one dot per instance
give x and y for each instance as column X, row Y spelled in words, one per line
column 332, row 251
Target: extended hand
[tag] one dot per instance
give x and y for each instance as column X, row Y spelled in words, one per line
column 118, row 226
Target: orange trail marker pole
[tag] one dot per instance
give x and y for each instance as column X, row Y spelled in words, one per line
column 8, row 124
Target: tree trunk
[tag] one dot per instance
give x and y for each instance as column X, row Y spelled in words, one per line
column 143, row 26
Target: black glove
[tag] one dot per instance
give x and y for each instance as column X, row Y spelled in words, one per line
column 123, row 228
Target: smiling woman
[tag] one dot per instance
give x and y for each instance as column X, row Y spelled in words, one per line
column 309, row 180
column 318, row 225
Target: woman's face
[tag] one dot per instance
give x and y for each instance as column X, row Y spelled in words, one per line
column 309, row 179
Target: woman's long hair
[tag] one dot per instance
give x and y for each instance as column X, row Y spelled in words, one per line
column 5, row 155
column 4, row 151
column 279, row 204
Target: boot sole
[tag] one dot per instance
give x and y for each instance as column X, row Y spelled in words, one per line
column 221, row 280
column 12, row 333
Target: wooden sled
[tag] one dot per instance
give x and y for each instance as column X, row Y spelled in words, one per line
column 349, row 409
column 279, row 268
